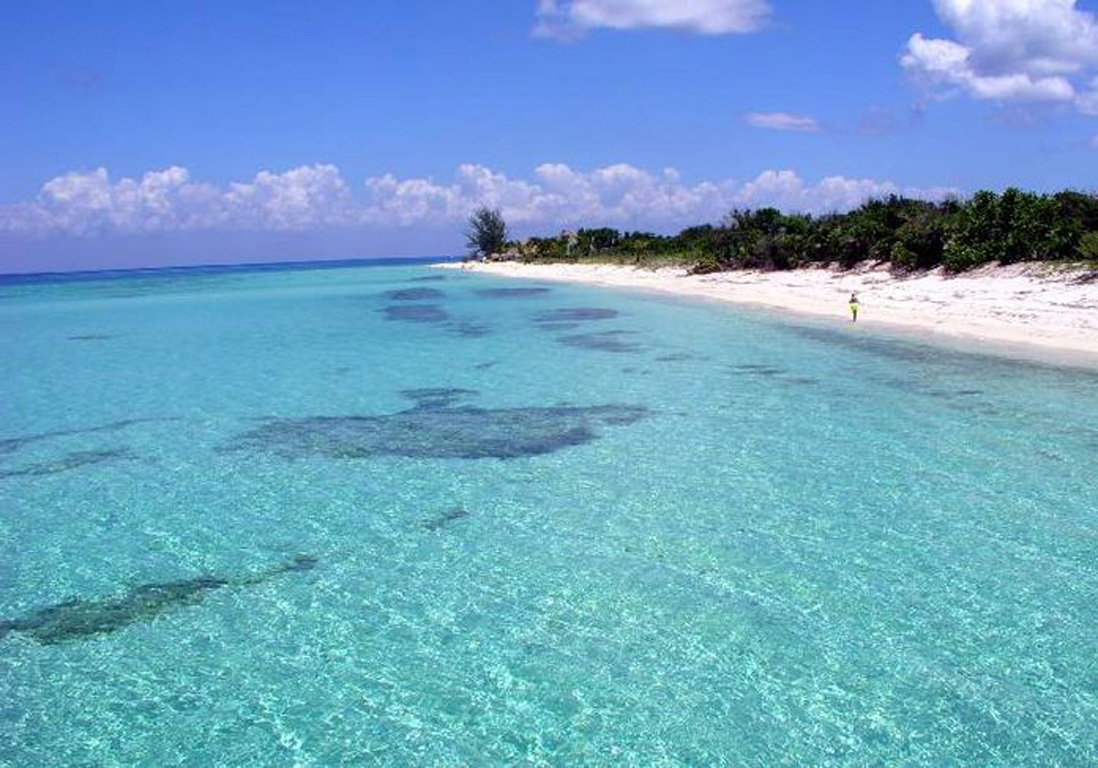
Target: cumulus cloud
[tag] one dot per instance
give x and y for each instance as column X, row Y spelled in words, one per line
column 317, row 198
column 159, row 200
column 572, row 18
column 81, row 203
column 788, row 191
column 620, row 194
column 1008, row 50
column 308, row 197
column 782, row 121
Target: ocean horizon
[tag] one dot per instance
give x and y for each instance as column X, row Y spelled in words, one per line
column 110, row 273
column 372, row 512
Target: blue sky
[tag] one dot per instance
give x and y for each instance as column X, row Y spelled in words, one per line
column 195, row 132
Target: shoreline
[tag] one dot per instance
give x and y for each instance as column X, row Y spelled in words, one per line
column 1017, row 311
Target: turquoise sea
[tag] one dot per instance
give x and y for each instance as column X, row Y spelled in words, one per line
column 397, row 515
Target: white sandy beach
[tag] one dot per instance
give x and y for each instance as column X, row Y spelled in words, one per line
column 1031, row 310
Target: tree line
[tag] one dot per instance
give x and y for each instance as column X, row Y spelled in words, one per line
column 1010, row 227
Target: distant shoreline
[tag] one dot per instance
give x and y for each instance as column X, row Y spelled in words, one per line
column 1021, row 310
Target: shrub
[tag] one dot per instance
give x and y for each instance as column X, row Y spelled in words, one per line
column 903, row 259
column 487, row 233
column 1088, row 246
column 909, row 234
column 959, row 256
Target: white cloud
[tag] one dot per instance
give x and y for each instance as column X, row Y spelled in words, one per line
column 1041, row 37
column 787, row 191
column 316, row 197
column 782, row 121
column 1094, row 141
column 571, row 18
column 1008, row 50
column 1088, row 101
column 617, row 195
column 558, row 194
column 78, row 203
column 308, row 197
column 159, row 200
column 945, row 62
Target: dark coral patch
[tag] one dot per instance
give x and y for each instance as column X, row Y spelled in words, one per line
column 575, row 314
column 445, row 519
column 559, row 326
column 416, row 313
column 90, row 337
column 436, row 429
column 82, row 619
column 948, row 394
column 756, row 369
column 469, row 329
column 427, row 279
column 511, row 293
column 13, row 444
column 896, row 350
column 415, row 294
column 298, row 564
column 70, row 461
column 437, row 397
column 604, row 341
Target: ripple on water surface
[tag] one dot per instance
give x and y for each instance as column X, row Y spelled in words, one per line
column 305, row 517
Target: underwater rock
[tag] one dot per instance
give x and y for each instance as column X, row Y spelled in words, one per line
column 73, row 460
column 414, row 294
column 575, row 314
column 81, row 619
column 602, row 341
column 416, row 313
column 443, row 520
column 510, row 293
column 90, row 337
column 427, row 279
column 436, row 428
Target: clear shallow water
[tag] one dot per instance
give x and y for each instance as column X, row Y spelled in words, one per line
column 661, row 532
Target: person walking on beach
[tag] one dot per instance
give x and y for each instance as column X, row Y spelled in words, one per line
column 853, row 306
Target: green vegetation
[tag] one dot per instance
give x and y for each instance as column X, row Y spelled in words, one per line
column 909, row 234
column 487, row 233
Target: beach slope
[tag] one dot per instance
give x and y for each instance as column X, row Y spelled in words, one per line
column 1029, row 308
